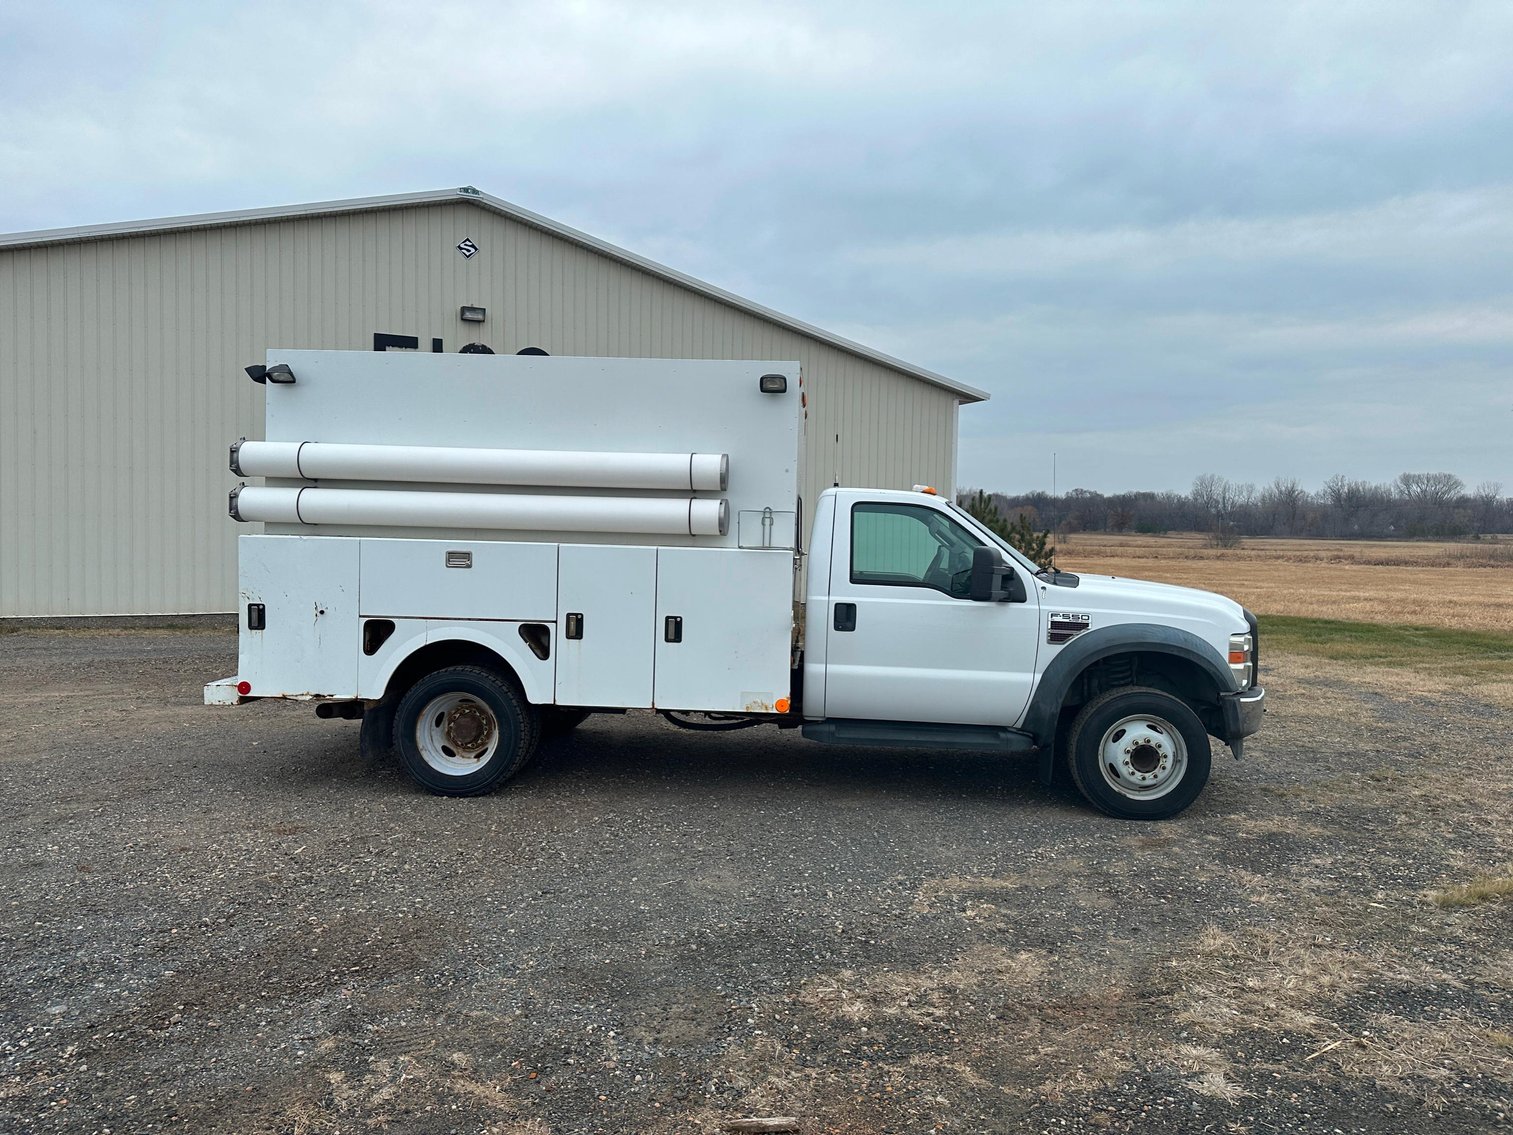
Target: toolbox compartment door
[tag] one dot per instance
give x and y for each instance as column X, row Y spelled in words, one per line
column 729, row 647
column 303, row 591
column 606, row 603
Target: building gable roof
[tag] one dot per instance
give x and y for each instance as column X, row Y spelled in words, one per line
column 505, row 208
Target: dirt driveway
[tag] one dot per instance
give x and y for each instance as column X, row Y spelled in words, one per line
column 223, row 921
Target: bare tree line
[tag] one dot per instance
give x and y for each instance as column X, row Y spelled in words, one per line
column 1414, row 506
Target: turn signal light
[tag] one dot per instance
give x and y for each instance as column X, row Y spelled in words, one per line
column 1238, row 658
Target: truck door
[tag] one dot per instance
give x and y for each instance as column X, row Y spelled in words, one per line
column 903, row 640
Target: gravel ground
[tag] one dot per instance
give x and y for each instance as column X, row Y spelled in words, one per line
column 223, row 920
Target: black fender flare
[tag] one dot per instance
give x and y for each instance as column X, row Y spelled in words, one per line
column 1044, row 712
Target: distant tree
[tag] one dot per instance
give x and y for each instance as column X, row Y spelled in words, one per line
column 1019, row 532
column 1412, row 505
column 1084, row 510
column 1430, row 499
column 1211, row 494
column 1217, row 497
column 1283, row 502
column 1349, row 502
column 1486, row 505
column 1429, row 488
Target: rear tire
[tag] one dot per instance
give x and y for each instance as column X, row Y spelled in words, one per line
column 1138, row 753
column 464, row 731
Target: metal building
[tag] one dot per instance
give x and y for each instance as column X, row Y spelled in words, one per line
column 121, row 348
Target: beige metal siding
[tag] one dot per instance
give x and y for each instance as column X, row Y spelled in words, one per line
column 120, row 383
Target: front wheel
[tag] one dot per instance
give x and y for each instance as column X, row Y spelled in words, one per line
column 1138, row 753
column 463, row 731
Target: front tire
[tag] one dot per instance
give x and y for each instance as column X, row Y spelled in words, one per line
column 1138, row 753
column 464, row 731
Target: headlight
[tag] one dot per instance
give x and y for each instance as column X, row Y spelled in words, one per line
column 1242, row 659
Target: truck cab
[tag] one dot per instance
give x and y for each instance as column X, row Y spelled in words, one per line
column 924, row 627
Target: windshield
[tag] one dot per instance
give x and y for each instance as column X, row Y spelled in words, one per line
column 993, row 538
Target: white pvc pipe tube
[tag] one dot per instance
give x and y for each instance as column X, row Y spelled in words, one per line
column 517, row 512
column 341, row 461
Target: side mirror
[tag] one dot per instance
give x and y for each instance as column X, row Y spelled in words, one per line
column 994, row 581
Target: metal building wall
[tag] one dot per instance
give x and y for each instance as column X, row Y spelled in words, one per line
column 120, row 381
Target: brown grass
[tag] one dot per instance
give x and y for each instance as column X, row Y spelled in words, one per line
column 1429, row 584
column 1486, row 888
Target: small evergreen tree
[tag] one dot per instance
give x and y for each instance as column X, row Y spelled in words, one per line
column 1019, row 532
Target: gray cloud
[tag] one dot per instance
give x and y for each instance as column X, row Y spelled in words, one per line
column 1170, row 238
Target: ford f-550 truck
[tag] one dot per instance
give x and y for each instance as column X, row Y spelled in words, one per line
column 467, row 551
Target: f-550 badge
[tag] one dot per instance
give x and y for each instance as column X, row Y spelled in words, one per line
column 1066, row 625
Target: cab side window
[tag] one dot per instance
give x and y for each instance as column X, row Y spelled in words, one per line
column 904, row 545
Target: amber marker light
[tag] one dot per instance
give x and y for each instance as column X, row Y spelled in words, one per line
column 1238, row 658
column 781, row 705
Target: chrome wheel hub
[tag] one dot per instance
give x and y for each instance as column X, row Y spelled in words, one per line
column 1142, row 757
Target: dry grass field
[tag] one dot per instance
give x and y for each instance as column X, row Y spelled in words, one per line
column 1449, row 585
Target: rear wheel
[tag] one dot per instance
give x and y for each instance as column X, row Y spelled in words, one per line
column 1138, row 753
column 463, row 731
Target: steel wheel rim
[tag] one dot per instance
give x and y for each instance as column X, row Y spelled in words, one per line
column 1142, row 757
column 456, row 734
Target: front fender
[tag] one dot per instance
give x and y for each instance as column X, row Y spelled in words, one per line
column 1044, row 713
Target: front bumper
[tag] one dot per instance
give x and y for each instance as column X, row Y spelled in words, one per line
column 1243, row 712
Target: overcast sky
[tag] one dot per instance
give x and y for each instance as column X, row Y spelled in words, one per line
column 1251, row 239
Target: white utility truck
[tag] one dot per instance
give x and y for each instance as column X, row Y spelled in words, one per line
column 468, row 551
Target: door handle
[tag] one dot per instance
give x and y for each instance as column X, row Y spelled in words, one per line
column 845, row 616
column 672, row 628
column 574, row 625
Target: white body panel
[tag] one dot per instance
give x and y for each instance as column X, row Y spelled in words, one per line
column 410, row 578
column 613, row 591
column 307, row 587
column 614, row 414
column 501, row 637
column 736, row 620
column 1108, row 601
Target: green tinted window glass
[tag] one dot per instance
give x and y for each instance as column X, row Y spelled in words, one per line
column 910, row 546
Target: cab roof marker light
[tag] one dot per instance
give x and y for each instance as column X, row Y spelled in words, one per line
column 927, row 490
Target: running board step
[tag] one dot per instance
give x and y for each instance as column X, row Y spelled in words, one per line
column 920, row 735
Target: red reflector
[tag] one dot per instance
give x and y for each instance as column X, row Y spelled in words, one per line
column 244, row 688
